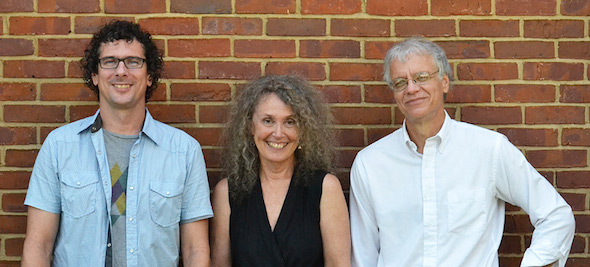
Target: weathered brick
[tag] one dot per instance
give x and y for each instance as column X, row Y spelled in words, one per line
column 554, row 71
column 374, row 134
column 465, row 7
column 14, row 179
column 361, row 115
column 573, row 179
column 295, row 27
column 179, row 70
column 575, row 8
column 578, row 245
column 199, row 48
column 576, row 201
column 34, row 113
column 582, row 225
column 341, row 93
column 517, row 224
column 134, row 7
column 16, row 47
column 232, row 26
column 17, row 91
column 466, row 49
column 264, row 48
column 10, row 6
column 557, row 158
column 66, row 92
column 206, row 136
column 173, row 113
column 213, row 114
column 489, row 28
column 578, row 262
column 13, row 202
column 12, row 224
column 575, row 50
column 554, row 115
column 575, row 94
column 69, row 6
column 575, row 137
column 170, row 26
column 200, row 92
column 34, row 69
column 14, row 246
column 330, row 6
column 229, row 70
column 487, row 71
column 329, row 49
column 525, row 7
column 378, row 94
column 360, row 27
column 91, row 24
column 426, row 28
column 509, row 261
column 553, row 29
column 350, row 137
column 265, row 6
column 39, row 25
column 74, row 69
column 345, row 157
column 397, row 7
column 62, row 47
column 524, row 93
column 201, row 6
column 212, row 158
column 18, row 136
column 21, row 158
column 527, row 49
column 82, row 111
column 356, row 71
column 159, row 94
column 510, row 245
column 491, row 115
column 531, row 137
column 310, row 70
column 377, row 49
column 469, row 94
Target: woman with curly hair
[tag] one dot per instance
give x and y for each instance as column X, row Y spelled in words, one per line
column 279, row 206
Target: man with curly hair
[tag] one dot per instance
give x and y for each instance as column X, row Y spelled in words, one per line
column 118, row 188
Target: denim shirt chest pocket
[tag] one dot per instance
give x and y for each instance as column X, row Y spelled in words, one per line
column 165, row 202
column 78, row 192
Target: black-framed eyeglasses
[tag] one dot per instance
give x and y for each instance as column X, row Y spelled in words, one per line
column 113, row 62
column 420, row 78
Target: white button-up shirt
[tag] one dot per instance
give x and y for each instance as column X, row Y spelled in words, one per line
column 445, row 207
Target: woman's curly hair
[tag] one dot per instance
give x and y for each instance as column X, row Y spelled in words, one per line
column 241, row 162
column 128, row 31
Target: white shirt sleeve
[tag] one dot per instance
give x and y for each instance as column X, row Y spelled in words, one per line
column 518, row 183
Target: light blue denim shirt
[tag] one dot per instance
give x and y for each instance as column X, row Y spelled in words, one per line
column 167, row 183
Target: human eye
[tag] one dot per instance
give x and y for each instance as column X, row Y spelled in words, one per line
column 291, row 122
column 109, row 61
column 133, row 62
column 421, row 77
column 266, row 121
column 399, row 83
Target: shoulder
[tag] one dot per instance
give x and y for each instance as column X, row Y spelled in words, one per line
column 221, row 187
column 331, row 184
column 467, row 132
column 171, row 138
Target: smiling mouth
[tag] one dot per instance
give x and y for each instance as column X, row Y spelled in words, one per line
column 276, row 145
column 122, row 86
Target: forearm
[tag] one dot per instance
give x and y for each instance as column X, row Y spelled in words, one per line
column 35, row 255
column 196, row 258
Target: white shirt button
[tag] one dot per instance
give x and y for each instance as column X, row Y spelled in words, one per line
column 134, row 156
column 77, row 183
column 130, row 219
column 109, row 245
column 131, row 188
column 167, row 193
column 131, row 251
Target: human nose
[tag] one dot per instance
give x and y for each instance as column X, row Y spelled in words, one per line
column 278, row 130
column 412, row 86
column 121, row 68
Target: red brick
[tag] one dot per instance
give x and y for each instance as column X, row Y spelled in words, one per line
column 378, row 94
column 66, row 92
column 510, row 261
column 555, row 71
column 361, row 115
column 575, row 137
column 582, row 224
column 201, row 6
column 573, row 179
column 10, row 6
column 576, row 201
column 18, row 136
column 525, row 7
column 213, row 114
column 170, row 26
column 134, row 7
column 21, row 158
column 296, row 27
column 374, row 134
column 62, row 47
column 469, row 94
column 341, row 93
column 356, row 71
column 554, row 115
column 34, row 69
column 553, row 29
column 426, row 28
column 579, row 245
column 14, row 246
column 17, row 91
column 491, row 115
column 575, row 8
column 330, row 6
column 510, row 245
column 200, row 92
column 487, row 71
column 13, row 202
column 14, row 179
column 345, row 157
column 69, row 6
column 34, row 113
column 575, row 94
column 578, row 262
column 229, row 70
column 528, row 49
column 2, row 25
column 524, row 93
column 264, row 48
column 329, row 49
column 360, row 27
column 206, row 136
column 74, row 70
column 377, row 49
column 531, row 137
column 11, row 224
column 199, row 48
column 465, row 49
column 212, row 158
column 397, row 7
column 310, row 70
column 575, row 50
column 16, row 47
column 80, row 112
column 232, row 26
column 179, row 70
column 39, row 25
column 173, row 113
column 489, row 28
column 453, row 7
column 91, row 24
column 265, row 6
column 46, row 130
column 557, row 158
column 350, row 137
column 517, row 224
column 159, row 94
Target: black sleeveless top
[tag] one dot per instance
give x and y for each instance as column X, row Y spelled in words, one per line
column 296, row 239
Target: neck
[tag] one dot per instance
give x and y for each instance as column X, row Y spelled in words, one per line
column 127, row 122
column 420, row 130
column 270, row 171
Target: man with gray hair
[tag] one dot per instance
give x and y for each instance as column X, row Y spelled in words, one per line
column 432, row 193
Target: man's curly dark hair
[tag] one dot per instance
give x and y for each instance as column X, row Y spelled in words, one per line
column 128, row 31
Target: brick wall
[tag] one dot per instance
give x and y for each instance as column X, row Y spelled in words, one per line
column 521, row 68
